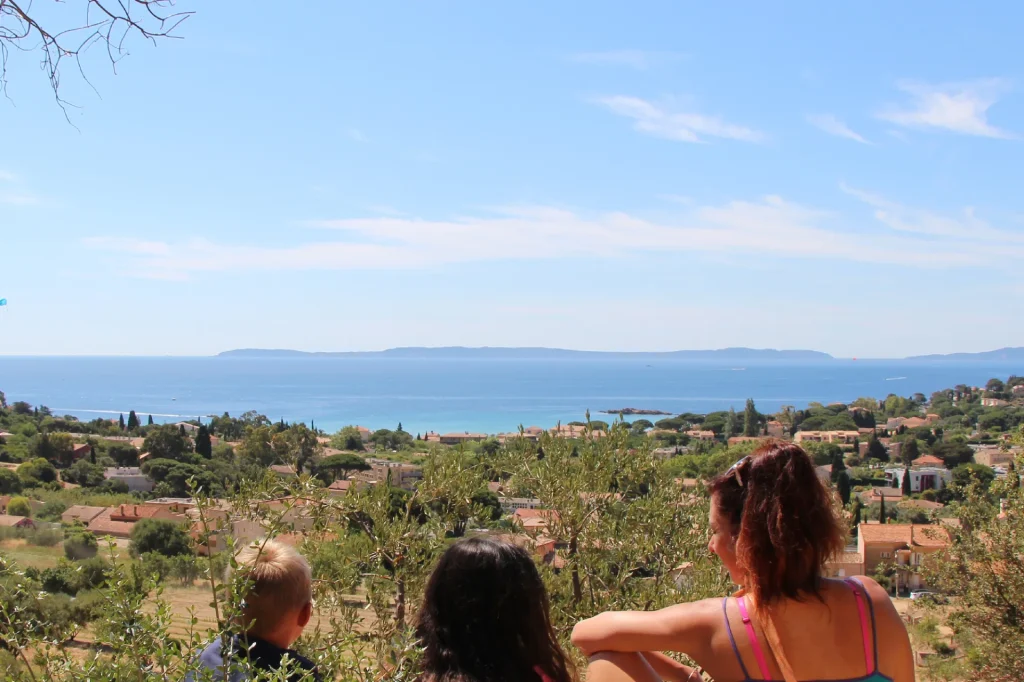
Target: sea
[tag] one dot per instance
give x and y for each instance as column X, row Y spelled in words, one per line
column 489, row 395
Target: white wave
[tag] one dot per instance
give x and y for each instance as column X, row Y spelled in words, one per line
column 69, row 410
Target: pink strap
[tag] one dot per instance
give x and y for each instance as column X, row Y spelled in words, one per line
column 762, row 664
column 864, row 629
column 541, row 674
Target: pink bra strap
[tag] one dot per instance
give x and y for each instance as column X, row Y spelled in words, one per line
column 762, row 664
column 864, row 629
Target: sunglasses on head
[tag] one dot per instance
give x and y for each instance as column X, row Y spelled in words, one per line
column 734, row 470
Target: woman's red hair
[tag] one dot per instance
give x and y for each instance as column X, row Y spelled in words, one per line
column 784, row 520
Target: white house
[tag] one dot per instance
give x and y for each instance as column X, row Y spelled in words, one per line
column 921, row 478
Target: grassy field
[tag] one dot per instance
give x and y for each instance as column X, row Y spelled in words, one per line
column 27, row 555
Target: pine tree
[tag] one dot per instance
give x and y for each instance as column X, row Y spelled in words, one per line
column 876, row 450
column 120, row 421
column 750, row 418
column 399, row 429
column 910, row 451
column 881, row 510
column 150, row 421
column 204, row 445
column 133, row 421
column 838, row 467
column 906, row 481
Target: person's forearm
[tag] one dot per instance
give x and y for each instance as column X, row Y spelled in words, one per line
column 668, row 668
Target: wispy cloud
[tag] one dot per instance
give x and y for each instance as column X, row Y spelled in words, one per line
column 957, row 107
column 965, row 226
column 833, row 126
column 6, row 176
column 635, row 59
column 767, row 228
column 681, row 126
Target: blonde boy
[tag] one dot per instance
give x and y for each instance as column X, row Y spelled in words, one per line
column 277, row 606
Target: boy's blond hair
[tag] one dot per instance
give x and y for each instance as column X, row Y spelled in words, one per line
column 278, row 581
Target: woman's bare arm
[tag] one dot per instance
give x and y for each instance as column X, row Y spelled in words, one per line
column 685, row 627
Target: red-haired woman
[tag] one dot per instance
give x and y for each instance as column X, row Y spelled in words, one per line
column 773, row 526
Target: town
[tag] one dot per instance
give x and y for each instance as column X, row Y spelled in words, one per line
column 175, row 499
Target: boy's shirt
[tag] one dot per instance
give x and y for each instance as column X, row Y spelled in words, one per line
column 262, row 655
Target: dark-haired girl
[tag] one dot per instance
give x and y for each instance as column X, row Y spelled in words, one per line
column 485, row 618
column 773, row 526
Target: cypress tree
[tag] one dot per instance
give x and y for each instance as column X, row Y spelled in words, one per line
column 120, row 421
column 133, row 421
column 204, row 446
column 150, row 422
column 750, row 418
column 838, row 467
column 843, row 485
column 730, row 424
column 906, row 481
column 881, row 511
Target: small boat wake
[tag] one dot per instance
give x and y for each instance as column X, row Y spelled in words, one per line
column 895, row 378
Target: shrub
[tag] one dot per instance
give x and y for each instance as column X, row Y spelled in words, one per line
column 62, row 578
column 19, row 506
column 52, row 511
column 10, row 482
column 93, row 572
column 80, row 545
column 44, row 537
column 160, row 536
column 37, row 472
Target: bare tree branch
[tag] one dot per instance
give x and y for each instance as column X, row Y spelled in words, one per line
column 107, row 22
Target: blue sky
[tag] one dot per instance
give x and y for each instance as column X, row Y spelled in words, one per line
column 630, row 176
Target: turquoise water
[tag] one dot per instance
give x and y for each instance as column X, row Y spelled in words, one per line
column 489, row 395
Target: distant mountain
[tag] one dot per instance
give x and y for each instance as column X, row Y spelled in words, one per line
column 457, row 352
column 991, row 356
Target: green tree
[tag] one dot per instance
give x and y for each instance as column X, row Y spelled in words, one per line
column 36, row 472
column 133, row 421
column 204, row 445
column 161, row 536
column 881, row 510
column 730, row 427
column 120, row 421
column 84, row 473
column 342, row 465
column 19, row 506
column 838, row 466
column 149, row 421
column 256, row 449
column 910, row 450
column 905, row 487
column 348, row 438
column 166, row 442
column 1012, row 477
column 297, row 445
column 966, row 474
column 10, row 482
column 750, row 419
column 123, row 455
column 876, row 450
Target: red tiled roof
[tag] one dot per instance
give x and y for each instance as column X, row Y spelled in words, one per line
column 907, row 534
column 928, row 460
column 81, row 513
column 15, row 521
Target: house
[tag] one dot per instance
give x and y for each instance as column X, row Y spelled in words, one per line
column 396, row 474
column 131, row 477
column 928, row 461
column 845, row 564
column 1017, row 390
column 132, row 513
column 432, row 437
column 915, row 423
column 174, row 505
column 8, row 521
column 5, row 434
column 994, row 402
column 189, row 428
column 838, row 437
column 81, row 514
column 534, row 520
column 921, row 478
column 777, row 429
column 459, row 438
column 875, row 495
column 894, row 423
column 906, row 545
column 284, row 470
column 511, row 504
column 102, row 525
column 364, row 433
column 574, row 431
column 697, row 434
column 993, row 457
column 80, row 450
column 339, row 488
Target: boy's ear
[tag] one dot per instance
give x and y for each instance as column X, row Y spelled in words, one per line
column 305, row 614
